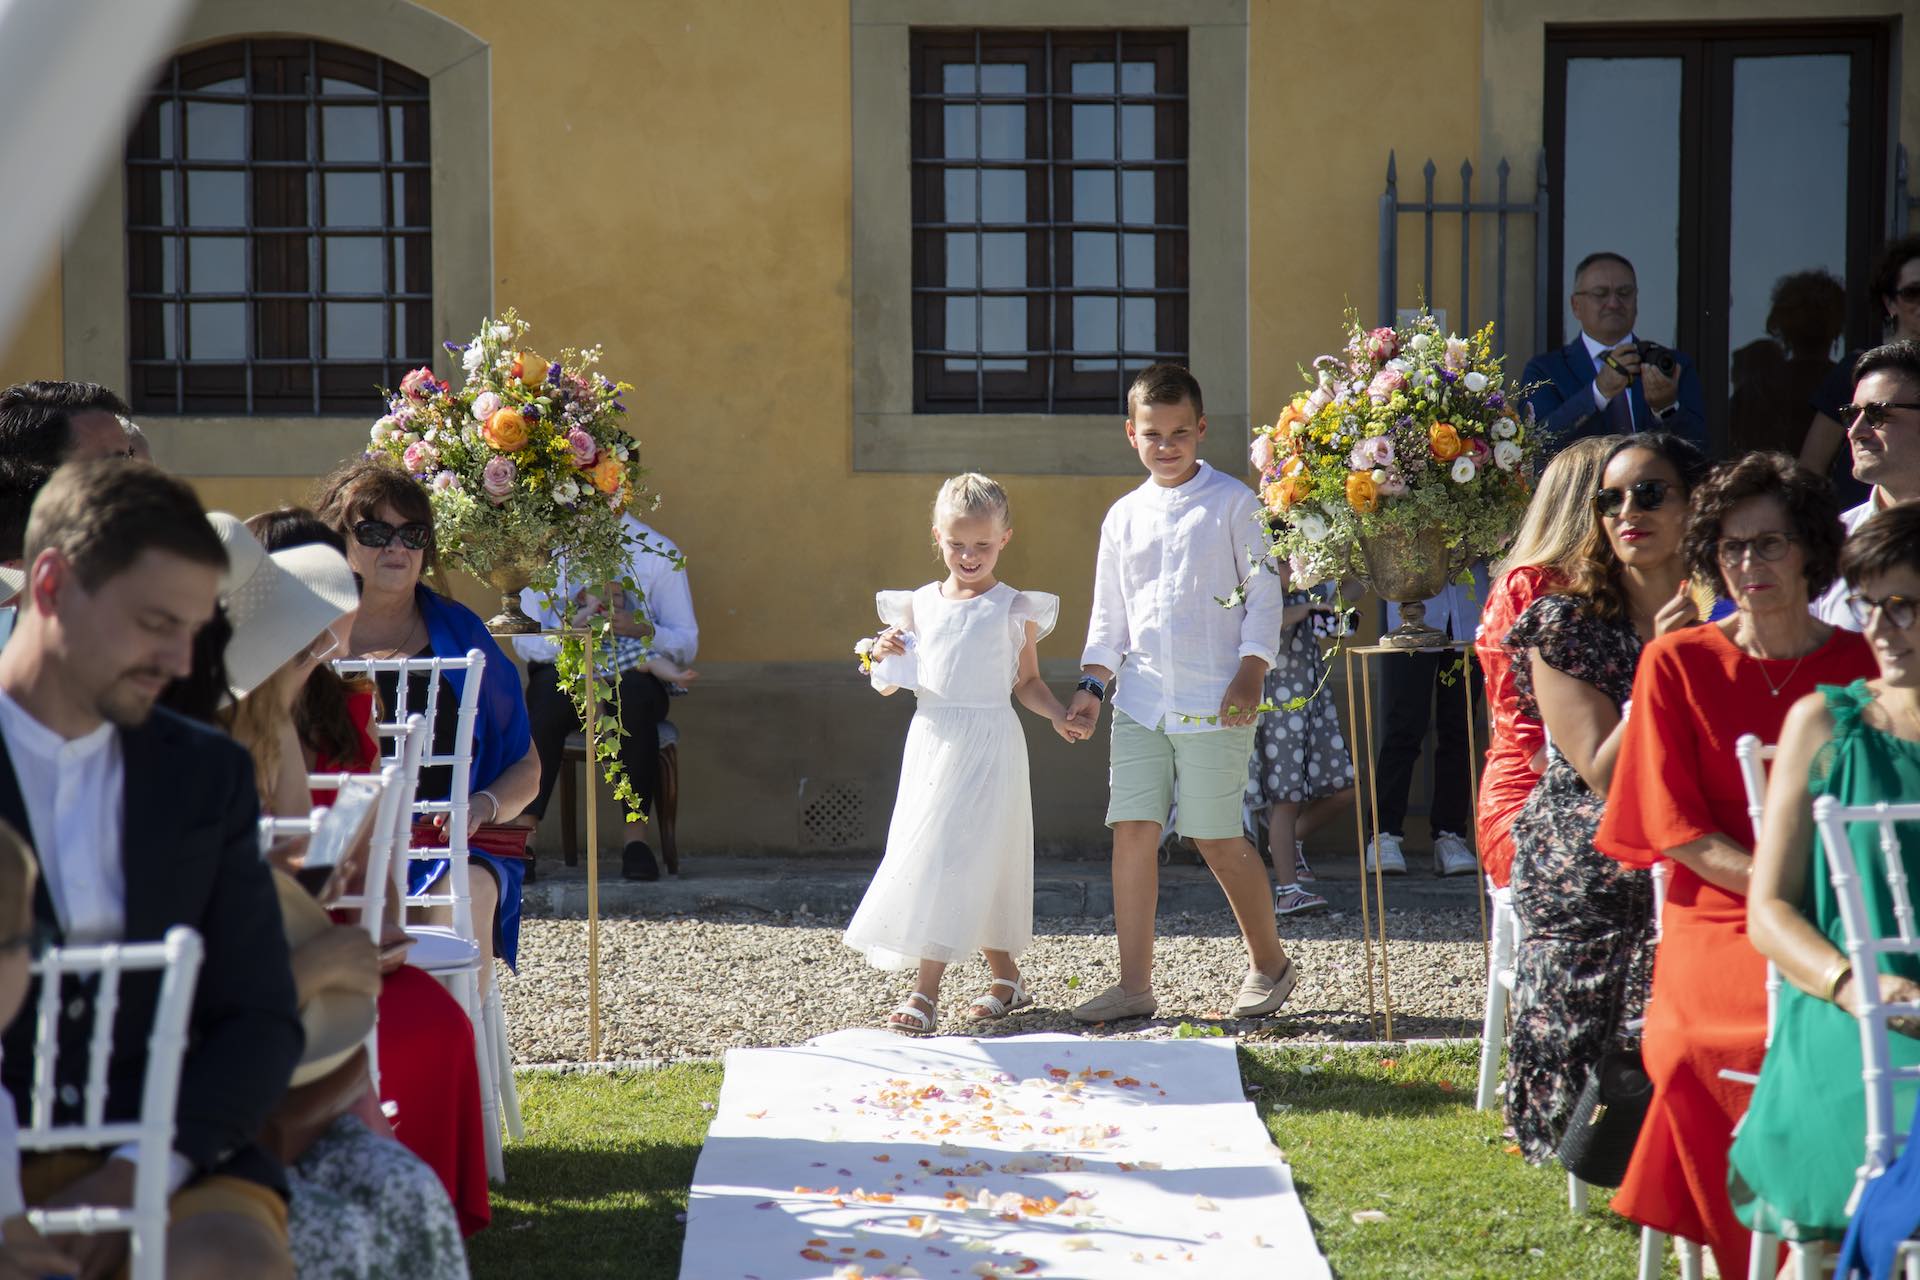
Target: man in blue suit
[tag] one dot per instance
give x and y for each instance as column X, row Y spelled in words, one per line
column 1597, row 385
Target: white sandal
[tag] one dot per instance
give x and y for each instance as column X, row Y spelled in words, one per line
column 908, row 1019
column 995, row 1006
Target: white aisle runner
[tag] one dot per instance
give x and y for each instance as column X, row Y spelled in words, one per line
column 864, row 1154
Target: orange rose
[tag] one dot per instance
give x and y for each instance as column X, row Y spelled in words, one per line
column 1296, row 465
column 608, row 474
column 1444, row 441
column 1293, row 489
column 505, row 430
column 1273, row 497
column 1288, row 416
column 1362, row 494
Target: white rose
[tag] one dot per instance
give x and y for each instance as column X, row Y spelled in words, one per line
column 471, row 358
column 1476, row 382
column 1463, row 469
column 382, row 429
column 1379, row 475
column 1506, row 455
column 1312, row 526
column 1421, row 341
column 1503, row 429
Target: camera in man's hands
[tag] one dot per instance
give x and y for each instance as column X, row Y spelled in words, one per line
column 1661, row 358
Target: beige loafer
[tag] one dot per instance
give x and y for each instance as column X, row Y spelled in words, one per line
column 1113, row 1004
column 1261, row 995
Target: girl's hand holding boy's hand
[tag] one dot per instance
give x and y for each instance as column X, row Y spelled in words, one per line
column 1083, row 713
column 1068, row 728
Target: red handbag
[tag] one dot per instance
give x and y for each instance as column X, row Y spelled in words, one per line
column 501, row 840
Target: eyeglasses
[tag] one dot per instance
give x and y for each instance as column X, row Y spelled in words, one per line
column 1648, row 495
column 378, row 534
column 1877, row 412
column 1768, row 546
column 1625, row 293
column 1899, row 610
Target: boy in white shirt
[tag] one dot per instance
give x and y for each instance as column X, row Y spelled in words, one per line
column 1171, row 551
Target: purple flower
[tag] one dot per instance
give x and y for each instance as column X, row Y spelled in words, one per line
column 530, row 411
column 1448, row 375
column 1496, row 401
column 497, row 479
column 457, row 348
column 553, row 373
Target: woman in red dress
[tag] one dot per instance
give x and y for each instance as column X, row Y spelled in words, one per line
column 1557, row 521
column 1767, row 533
column 428, row 1070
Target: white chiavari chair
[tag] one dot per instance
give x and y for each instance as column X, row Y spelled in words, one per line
column 177, row 959
column 1865, row 948
column 417, row 692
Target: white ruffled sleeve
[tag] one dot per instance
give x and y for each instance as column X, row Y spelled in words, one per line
column 1033, row 606
column 895, row 608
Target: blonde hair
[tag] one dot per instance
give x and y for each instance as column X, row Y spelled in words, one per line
column 255, row 722
column 18, row 871
column 972, row 494
column 1561, row 513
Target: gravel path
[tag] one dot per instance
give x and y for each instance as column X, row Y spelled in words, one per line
column 681, row 987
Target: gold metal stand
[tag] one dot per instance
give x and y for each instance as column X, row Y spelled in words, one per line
column 590, row 737
column 1365, row 757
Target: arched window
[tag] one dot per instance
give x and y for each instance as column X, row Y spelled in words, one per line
column 279, row 235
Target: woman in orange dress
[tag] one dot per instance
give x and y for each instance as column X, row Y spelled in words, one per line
column 1557, row 522
column 1767, row 534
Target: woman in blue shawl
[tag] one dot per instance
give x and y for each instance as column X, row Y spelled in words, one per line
column 387, row 522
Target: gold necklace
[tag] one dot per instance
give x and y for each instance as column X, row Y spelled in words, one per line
column 402, row 650
column 1772, row 688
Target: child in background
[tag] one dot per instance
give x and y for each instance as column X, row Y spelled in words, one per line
column 1301, row 772
column 22, row 1250
column 1190, row 669
column 958, row 871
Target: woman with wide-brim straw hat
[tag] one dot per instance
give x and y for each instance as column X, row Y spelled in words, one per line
column 351, row 1181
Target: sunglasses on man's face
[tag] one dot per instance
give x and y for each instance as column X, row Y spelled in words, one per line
column 378, row 534
column 1878, row 413
column 1647, row 495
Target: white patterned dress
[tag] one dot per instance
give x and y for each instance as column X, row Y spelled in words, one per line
column 958, row 871
column 363, row 1207
column 1298, row 756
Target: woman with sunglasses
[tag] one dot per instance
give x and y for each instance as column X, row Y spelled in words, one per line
column 1896, row 286
column 1582, row 965
column 1860, row 744
column 387, row 521
column 1767, row 533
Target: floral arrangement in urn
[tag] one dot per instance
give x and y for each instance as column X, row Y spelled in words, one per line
column 527, row 464
column 1407, row 448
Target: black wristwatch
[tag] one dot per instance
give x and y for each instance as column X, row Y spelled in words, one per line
column 1092, row 686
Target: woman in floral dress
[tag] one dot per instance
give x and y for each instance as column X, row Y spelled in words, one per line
column 1585, row 956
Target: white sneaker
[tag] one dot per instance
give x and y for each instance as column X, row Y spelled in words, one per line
column 1452, row 857
column 1386, row 850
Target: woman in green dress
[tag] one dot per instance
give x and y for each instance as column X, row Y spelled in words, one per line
column 1797, row 1153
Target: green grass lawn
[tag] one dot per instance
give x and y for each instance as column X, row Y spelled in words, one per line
column 607, row 1161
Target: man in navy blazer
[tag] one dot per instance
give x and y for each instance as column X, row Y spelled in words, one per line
column 1596, row 385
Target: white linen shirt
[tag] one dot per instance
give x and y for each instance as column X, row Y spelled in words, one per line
column 667, row 601
column 1831, row 607
column 1168, row 556
column 75, row 793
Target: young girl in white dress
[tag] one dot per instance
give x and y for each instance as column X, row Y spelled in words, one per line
column 958, row 871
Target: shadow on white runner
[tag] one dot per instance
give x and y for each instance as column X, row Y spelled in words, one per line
column 864, row 1154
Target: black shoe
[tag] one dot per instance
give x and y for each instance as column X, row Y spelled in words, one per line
column 636, row 862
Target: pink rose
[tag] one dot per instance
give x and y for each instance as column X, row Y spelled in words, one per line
column 1394, row 485
column 1478, row 451
column 419, row 384
column 1382, row 344
column 444, row 481
column 498, row 478
column 1384, row 384
column 419, row 456
column 1263, row 453
column 485, row 405
column 1374, row 451
column 584, row 447
column 1456, row 357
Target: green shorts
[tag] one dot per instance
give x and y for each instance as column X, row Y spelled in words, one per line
column 1206, row 772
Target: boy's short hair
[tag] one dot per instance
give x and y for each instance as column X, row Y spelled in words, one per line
column 103, row 513
column 18, row 871
column 1164, row 384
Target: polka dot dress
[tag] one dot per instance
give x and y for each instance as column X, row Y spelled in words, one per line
column 1298, row 755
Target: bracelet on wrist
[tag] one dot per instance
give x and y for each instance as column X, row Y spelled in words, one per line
column 493, row 800
column 1094, row 686
column 1836, row 980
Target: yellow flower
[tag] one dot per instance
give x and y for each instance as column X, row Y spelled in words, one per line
column 505, row 430
column 1362, row 494
column 1444, row 441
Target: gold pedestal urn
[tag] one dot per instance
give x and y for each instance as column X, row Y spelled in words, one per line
column 1408, row 568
